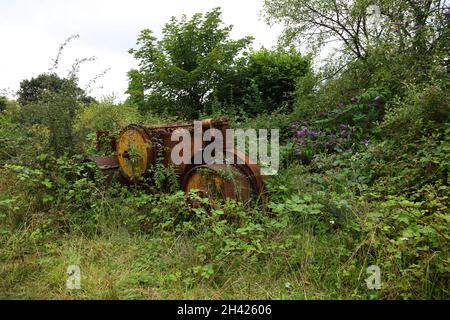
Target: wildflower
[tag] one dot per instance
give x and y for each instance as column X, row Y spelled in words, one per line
column 365, row 142
column 332, row 136
column 323, row 114
column 302, row 133
column 344, row 126
column 377, row 100
column 305, row 123
column 304, row 142
column 314, row 134
column 354, row 99
column 447, row 13
column 301, row 142
column 332, row 222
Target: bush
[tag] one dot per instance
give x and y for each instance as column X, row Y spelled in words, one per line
column 422, row 109
column 18, row 143
column 276, row 120
column 409, row 245
column 264, row 81
column 51, row 101
column 349, row 127
column 102, row 116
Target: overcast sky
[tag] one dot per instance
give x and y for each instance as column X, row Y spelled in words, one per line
column 32, row 30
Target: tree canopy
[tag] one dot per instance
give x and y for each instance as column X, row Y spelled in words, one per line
column 359, row 25
column 32, row 90
column 264, row 81
column 188, row 63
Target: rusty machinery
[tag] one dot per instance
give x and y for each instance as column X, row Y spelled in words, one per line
column 138, row 147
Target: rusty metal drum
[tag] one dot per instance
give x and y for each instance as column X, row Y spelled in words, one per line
column 135, row 152
column 137, row 148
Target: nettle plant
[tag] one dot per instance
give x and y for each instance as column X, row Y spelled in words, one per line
column 347, row 128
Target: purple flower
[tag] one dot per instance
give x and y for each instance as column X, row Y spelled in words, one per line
column 447, row 13
column 323, row 114
column 332, row 136
column 349, row 150
column 305, row 123
column 344, row 126
column 302, row 142
column 365, row 142
column 302, row 133
column 378, row 100
column 354, row 99
column 314, row 134
column 345, row 134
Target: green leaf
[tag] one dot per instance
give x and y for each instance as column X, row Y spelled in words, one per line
column 47, row 183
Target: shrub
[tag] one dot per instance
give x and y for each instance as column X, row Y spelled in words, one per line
column 276, row 120
column 102, row 116
column 347, row 128
column 421, row 110
column 264, row 81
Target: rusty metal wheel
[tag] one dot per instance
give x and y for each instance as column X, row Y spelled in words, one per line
column 135, row 152
column 219, row 181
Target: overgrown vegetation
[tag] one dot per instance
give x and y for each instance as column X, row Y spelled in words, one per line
column 364, row 178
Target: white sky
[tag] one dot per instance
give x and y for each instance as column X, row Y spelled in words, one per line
column 32, row 30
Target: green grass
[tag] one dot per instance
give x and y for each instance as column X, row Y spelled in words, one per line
column 124, row 266
column 131, row 244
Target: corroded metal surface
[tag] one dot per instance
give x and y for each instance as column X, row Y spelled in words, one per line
column 138, row 146
column 218, row 181
column 251, row 172
column 107, row 163
column 135, row 152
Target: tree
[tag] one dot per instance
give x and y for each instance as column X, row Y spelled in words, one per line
column 3, row 103
column 264, row 81
column 32, row 90
column 136, row 90
column 52, row 101
column 358, row 25
column 187, row 64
